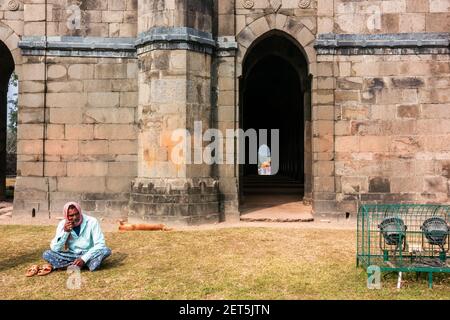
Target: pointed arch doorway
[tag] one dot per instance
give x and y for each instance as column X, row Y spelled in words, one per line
column 6, row 70
column 275, row 93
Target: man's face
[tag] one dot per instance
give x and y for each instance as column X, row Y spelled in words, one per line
column 73, row 215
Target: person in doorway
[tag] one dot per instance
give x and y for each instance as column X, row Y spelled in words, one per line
column 79, row 241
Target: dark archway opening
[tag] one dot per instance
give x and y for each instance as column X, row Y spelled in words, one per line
column 6, row 70
column 273, row 87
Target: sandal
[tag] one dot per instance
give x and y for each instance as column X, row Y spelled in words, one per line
column 33, row 270
column 45, row 269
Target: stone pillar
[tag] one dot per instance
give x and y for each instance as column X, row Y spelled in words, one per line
column 32, row 189
column 324, row 191
column 175, row 45
column 307, row 198
column 225, row 112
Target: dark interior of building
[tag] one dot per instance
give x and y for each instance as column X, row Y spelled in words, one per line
column 272, row 98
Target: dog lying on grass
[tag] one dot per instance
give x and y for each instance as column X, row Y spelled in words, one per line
column 123, row 226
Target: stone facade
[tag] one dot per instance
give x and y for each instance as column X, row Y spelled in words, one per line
column 103, row 86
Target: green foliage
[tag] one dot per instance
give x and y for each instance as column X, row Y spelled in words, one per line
column 12, row 104
column 11, row 143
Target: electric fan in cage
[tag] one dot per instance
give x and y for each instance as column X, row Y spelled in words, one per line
column 436, row 231
column 393, row 230
column 404, row 238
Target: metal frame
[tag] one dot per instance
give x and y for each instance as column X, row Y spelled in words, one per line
column 415, row 254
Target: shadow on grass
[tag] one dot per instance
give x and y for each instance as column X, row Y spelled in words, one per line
column 115, row 260
column 24, row 258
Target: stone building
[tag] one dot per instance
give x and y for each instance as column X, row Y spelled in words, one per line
column 360, row 91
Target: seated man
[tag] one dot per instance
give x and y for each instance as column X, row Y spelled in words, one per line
column 79, row 241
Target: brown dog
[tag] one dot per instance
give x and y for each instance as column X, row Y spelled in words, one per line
column 142, row 227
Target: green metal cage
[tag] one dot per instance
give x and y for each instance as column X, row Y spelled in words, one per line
column 404, row 238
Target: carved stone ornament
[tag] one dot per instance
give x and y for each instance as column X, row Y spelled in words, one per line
column 248, row 4
column 304, row 4
column 276, row 4
column 13, row 5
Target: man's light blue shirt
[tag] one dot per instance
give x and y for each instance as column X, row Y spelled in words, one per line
column 85, row 244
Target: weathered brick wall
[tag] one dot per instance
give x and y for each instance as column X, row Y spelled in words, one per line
column 195, row 14
column 392, row 128
column 11, row 27
column 99, row 18
column 90, row 132
column 379, row 128
column 386, row 16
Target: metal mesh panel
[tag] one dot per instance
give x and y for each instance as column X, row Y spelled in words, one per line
column 404, row 237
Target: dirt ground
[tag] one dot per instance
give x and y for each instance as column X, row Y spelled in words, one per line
column 110, row 225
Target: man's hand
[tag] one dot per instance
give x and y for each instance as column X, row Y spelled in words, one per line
column 68, row 226
column 78, row 262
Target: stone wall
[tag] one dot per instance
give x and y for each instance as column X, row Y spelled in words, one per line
column 11, row 28
column 97, row 18
column 393, row 128
column 89, row 125
column 196, row 14
column 389, row 145
column 385, row 16
column 135, row 70
column 174, row 54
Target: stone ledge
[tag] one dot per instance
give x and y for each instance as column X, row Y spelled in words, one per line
column 393, row 43
column 177, row 34
column 79, row 46
column 154, row 39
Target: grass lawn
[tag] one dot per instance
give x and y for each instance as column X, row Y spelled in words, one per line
column 240, row 263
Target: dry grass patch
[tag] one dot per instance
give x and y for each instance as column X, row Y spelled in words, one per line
column 240, row 263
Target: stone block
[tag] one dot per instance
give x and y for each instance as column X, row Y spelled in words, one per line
column 34, row 12
column 61, row 147
column 55, row 132
column 354, row 185
column 435, row 184
column 30, row 131
column 417, row 6
column 33, row 71
column 87, row 169
column 125, row 169
column 66, row 100
column 79, row 132
column 81, row 71
column 103, row 99
column 55, row 169
column 95, row 147
column 66, row 115
column 115, row 131
column 32, row 100
column 65, row 86
column 117, row 184
column 81, row 184
column 379, row 185
column 56, row 71
column 347, row 144
column 29, row 169
column 123, row 147
column 111, row 71
column 29, row 147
